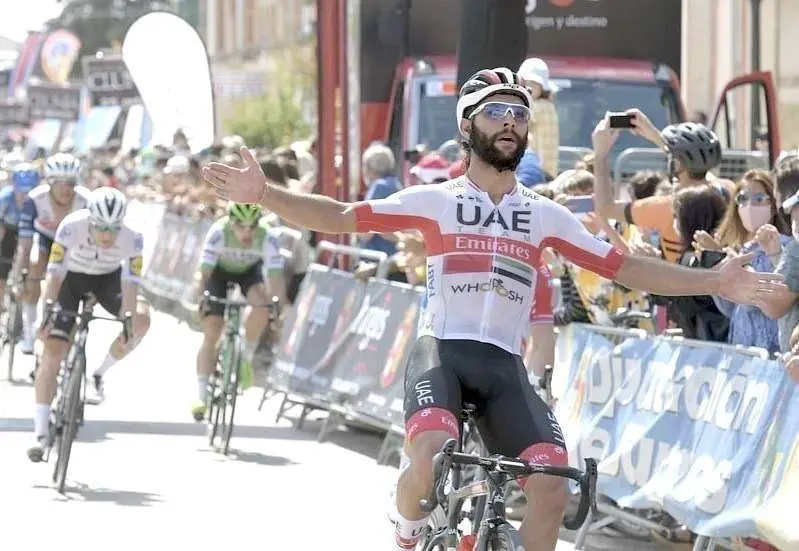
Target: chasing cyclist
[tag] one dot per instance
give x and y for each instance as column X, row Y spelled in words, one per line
column 24, row 177
column 45, row 208
column 94, row 253
column 238, row 249
column 477, row 228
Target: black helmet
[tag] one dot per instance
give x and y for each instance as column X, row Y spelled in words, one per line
column 695, row 145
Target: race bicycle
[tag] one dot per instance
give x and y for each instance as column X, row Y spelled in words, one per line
column 494, row 533
column 67, row 416
column 11, row 319
column 223, row 386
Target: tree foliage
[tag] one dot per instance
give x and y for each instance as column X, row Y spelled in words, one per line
column 280, row 115
column 101, row 23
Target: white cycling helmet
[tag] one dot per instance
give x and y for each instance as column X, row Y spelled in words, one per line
column 62, row 166
column 487, row 83
column 106, row 206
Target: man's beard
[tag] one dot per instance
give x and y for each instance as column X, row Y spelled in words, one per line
column 484, row 146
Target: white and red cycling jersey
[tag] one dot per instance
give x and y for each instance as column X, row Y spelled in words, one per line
column 483, row 258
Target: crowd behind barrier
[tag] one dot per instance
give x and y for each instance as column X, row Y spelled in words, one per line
column 704, row 431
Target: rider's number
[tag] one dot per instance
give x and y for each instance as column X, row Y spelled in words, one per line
column 56, row 253
column 136, row 266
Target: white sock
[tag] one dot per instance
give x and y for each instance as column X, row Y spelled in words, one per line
column 106, row 365
column 408, row 533
column 202, row 387
column 248, row 350
column 29, row 318
column 41, row 420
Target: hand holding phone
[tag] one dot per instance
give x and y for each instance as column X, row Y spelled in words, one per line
column 620, row 121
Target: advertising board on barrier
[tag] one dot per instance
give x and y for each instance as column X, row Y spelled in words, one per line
column 327, row 304
column 706, row 434
column 348, row 339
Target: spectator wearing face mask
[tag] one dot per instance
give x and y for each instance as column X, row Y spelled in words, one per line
column 752, row 224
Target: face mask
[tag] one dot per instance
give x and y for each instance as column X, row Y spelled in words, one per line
column 754, row 216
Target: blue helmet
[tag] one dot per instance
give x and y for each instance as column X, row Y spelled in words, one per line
column 25, row 177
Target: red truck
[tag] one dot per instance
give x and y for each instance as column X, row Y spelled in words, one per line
column 604, row 55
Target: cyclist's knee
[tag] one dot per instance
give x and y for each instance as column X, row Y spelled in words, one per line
column 55, row 348
column 546, row 493
column 141, row 321
column 421, row 451
column 212, row 329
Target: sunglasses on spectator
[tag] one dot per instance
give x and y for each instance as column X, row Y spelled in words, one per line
column 107, row 228
column 497, row 111
column 745, row 198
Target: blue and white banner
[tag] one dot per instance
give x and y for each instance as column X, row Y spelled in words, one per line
column 708, row 434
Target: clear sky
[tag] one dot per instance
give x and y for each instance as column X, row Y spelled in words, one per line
column 19, row 16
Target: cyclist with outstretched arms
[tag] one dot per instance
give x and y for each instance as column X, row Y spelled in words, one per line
column 479, row 227
column 238, row 249
column 43, row 211
column 24, row 178
column 95, row 253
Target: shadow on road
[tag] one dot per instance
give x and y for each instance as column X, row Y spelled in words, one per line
column 77, row 492
column 257, row 458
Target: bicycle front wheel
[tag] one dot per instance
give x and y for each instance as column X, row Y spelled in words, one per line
column 70, row 421
column 504, row 538
column 231, row 394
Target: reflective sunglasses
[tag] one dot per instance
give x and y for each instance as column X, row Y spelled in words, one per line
column 747, row 198
column 497, row 111
column 106, row 228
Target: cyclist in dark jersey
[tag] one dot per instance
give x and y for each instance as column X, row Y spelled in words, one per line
column 484, row 233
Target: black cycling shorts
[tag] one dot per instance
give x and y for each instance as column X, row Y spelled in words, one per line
column 218, row 282
column 513, row 420
column 107, row 288
column 45, row 244
column 8, row 249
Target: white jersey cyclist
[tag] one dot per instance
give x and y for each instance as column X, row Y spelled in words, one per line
column 483, row 258
column 74, row 250
column 39, row 215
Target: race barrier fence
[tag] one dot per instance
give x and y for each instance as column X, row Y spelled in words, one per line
column 703, row 431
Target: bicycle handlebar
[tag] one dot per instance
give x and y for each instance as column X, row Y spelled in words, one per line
column 54, row 309
column 515, row 467
column 239, row 303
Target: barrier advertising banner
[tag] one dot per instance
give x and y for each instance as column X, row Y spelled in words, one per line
column 707, row 434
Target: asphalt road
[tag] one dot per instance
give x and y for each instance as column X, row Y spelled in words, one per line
column 142, row 474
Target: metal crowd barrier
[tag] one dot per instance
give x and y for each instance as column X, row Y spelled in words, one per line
column 345, row 342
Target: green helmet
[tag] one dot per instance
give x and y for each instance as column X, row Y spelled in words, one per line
column 246, row 213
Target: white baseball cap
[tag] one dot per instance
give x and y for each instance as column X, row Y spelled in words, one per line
column 537, row 70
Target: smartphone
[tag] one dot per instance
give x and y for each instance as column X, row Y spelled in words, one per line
column 708, row 259
column 620, row 120
column 580, row 205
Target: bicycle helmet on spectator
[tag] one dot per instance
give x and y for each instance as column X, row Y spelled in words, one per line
column 24, row 177
column 696, row 146
column 246, row 213
column 486, row 83
column 106, row 206
column 62, row 166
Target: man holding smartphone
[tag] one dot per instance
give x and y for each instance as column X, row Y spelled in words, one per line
column 693, row 150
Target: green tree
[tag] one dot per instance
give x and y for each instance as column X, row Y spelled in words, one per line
column 101, row 23
column 278, row 116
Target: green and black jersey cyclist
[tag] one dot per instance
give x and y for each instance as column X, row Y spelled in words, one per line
column 238, row 249
column 483, row 231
